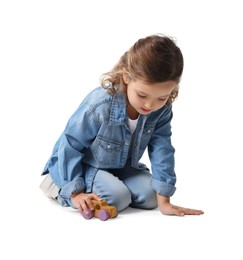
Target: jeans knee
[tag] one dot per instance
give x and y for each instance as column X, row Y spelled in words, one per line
column 151, row 201
column 147, row 200
column 121, row 199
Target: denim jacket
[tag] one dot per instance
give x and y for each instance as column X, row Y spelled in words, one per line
column 97, row 136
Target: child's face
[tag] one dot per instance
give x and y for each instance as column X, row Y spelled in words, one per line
column 145, row 98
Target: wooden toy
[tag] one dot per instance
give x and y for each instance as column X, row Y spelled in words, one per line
column 102, row 210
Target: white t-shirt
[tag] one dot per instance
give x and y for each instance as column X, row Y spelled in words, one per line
column 132, row 124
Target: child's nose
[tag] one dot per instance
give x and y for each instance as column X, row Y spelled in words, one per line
column 148, row 105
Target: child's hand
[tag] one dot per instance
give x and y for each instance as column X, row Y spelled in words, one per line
column 167, row 208
column 83, row 201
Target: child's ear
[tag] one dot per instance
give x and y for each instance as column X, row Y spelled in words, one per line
column 126, row 77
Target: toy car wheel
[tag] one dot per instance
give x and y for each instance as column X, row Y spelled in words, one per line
column 89, row 215
column 103, row 214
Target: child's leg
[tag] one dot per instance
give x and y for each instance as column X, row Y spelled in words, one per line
column 143, row 196
column 138, row 182
column 111, row 189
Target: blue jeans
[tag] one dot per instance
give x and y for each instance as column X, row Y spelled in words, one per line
column 125, row 187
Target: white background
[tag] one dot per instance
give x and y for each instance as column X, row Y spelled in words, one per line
column 52, row 54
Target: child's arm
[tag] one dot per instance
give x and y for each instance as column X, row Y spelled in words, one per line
column 167, row 208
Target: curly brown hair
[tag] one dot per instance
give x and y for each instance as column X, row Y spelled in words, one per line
column 152, row 59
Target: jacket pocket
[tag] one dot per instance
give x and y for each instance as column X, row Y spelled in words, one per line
column 107, row 152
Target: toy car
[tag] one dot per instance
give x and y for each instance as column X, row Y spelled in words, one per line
column 102, row 210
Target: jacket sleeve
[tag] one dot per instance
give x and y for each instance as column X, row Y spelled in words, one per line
column 161, row 153
column 65, row 164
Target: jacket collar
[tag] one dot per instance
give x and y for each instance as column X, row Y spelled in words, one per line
column 118, row 112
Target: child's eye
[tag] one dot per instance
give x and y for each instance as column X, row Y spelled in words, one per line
column 141, row 96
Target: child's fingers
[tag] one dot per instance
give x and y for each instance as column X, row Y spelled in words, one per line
column 187, row 211
column 87, row 204
column 178, row 212
column 96, row 197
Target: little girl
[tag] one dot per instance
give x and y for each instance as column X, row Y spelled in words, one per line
column 97, row 155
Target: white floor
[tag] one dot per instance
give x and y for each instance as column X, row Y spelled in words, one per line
column 35, row 227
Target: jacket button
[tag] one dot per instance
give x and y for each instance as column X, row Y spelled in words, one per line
column 108, row 146
column 149, row 131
